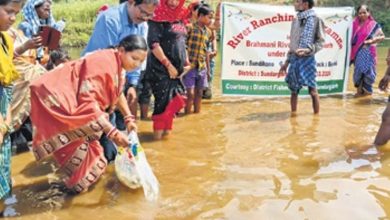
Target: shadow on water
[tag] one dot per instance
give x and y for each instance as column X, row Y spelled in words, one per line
column 48, row 193
column 381, row 101
column 231, row 100
column 36, row 169
column 145, row 136
column 39, row 197
column 363, row 100
column 45, row 192
column 266, row 116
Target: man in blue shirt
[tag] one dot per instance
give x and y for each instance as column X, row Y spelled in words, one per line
column 111, row 27
column 118, row 22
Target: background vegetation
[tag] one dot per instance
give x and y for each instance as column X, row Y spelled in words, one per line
column 80, row 15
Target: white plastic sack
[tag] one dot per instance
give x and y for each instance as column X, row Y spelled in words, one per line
column 133, row 170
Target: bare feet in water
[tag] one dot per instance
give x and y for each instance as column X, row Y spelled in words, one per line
column 361, row 91
column 293, row 114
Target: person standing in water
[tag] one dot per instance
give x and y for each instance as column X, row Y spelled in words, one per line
column 8, row 74
column 166, row 38
column 196, row 80
column 307, row 38
column 366, row 33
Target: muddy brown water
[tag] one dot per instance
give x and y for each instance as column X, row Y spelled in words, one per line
column 241, row 158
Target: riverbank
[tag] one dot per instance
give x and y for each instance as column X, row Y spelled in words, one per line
column 80, row 16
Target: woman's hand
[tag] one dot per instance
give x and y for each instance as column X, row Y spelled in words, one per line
column 120, row 139
column 33, row 43
column 172, row 71
column 131, row 126
column 368, row 42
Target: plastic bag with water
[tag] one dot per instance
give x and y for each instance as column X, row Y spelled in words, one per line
column 133, row 169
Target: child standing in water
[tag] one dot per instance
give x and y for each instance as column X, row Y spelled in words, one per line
column 196, row 80
column 8, row 11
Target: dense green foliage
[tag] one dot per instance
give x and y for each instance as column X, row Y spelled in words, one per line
column 379, row 9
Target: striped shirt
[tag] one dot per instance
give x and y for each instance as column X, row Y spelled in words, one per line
column 318, row 38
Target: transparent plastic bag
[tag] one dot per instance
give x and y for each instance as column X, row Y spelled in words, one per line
column 133, row 169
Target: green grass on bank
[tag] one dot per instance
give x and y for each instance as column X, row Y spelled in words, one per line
column 80, row 16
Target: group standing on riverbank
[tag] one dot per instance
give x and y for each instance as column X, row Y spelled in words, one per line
column 81, row 120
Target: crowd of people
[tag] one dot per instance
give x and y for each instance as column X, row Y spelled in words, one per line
column 81, row 121
column 23, row 59
column 138, row 49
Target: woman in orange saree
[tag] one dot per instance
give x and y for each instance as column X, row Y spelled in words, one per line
column 70, row 105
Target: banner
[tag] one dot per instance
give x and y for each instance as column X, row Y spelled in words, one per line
column 255, row 40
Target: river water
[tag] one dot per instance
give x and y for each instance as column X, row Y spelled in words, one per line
column 241, row 158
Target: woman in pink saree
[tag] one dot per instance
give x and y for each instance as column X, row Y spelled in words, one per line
column 366, row 34
column 70, row 105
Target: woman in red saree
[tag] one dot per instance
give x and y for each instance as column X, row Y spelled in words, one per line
column 366, row 34
column 69, row 108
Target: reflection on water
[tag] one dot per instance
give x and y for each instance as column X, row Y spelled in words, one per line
column 241, row 158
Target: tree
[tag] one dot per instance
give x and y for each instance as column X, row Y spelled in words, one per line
column 378, row 8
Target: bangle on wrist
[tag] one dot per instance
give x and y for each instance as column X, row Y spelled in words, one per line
column 129, row 118
column 165, row 62
column 154, row 45
column 111, row 132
